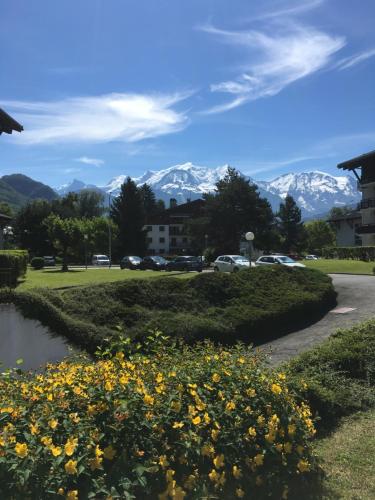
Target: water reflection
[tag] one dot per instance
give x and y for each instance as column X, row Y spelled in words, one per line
column 27, row 339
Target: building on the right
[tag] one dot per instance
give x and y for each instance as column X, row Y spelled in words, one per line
column 363, row 167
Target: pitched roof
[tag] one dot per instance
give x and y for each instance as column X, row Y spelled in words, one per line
column 8, row 124
column 358, row 161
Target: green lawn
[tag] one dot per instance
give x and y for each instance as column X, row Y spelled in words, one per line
column 54, row 278
column 341, row 266
column 347, row 458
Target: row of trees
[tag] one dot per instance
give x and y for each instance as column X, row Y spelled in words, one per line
column 79, row 223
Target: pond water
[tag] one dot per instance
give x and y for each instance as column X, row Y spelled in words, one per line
column 27, row 339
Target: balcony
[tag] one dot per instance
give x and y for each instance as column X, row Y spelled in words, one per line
column 366, row 229
column 366, row 203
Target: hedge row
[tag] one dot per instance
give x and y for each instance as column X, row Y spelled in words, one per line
column 13, row 265
column 340, row 373
column 356, row 253
column 250, row 305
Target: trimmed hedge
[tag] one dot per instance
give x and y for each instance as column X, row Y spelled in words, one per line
column 13, row 265
column 356, row 253
column 37, row 262
column 338, row 376
column 249, row 306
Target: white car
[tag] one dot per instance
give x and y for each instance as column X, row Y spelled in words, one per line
column 269, row 260
column 311, row 257
column 100, row 260
column 231, row 263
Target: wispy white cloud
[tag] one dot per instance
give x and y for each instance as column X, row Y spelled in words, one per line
column 97, row 162
column 104, row 118
column 350, row 61
column 72, row 170
column 275, row 60
column 269, row 166
column 290, row 9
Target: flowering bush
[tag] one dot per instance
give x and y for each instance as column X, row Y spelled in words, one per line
column 182, row 423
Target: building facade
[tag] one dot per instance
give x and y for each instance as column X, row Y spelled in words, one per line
column 167, row 233
column 363, row 168
column 345, row 227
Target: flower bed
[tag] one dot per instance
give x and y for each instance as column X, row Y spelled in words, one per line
column 182, row 423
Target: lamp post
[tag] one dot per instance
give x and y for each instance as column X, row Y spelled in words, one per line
column 85, row 238
column 249, row 238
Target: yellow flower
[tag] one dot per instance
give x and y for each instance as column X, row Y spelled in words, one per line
column 163, row 461
column 251, row 392
column 236, row 472
column 215, row 434
column 72, row 495
column 169, row 475
column 53, row 423
column 109, row 452
column 207, row 450
column 261, row 420
column 71, row 467
column 60, row 491
column 240, row 492
column 56, row 450
column 95, row 463
column 213, row 475
column 34, row 429
column 230, row 406
column 207, row 418
column 219, row 461
column 258, row 459
column 109, row 386
column 21, row 450
column 159, row 378
column 149, row 400
column 197, row 420
column 300, row 449
column 252, row 431
column 70, row 446
column 241, row 360
column 216, row 377
column 176, row 406
column 178, row 425
column 46, row 440
column 276, row 388
column 303, row 466
column 190, row 481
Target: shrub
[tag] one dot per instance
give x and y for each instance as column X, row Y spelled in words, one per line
column 357, row 253
column 197, row 422
column 340, row 373
column 37, row 262
column 217, row 306
column 13, row 265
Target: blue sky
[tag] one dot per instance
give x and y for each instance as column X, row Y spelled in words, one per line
column 110, row 87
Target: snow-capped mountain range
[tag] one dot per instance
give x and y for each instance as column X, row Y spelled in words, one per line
column 315, row 192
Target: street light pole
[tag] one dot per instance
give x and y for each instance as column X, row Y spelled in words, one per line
column 249, row 238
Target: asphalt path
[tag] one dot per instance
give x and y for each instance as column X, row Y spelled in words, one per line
column 355, row 303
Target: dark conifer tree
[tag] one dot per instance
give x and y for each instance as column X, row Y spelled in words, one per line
column 291, row 228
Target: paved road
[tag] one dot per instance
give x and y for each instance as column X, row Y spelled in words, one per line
column 354, row 291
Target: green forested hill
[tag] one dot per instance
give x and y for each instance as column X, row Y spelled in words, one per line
column 17, row 189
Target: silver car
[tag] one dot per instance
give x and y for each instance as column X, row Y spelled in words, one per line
column 231, row 263
column 269, row 260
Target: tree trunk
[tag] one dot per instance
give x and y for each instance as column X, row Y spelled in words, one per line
column 64, row 261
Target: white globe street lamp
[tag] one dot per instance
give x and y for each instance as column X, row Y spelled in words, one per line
column 249, row 238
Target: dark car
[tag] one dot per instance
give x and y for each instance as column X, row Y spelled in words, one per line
column 185, row 263
column 130, row 262
column 154, row 262
column 49, row 260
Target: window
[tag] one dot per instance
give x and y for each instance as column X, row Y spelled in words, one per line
column 161, row 228
column 184, row 240
column 148, row 228
column 173, row 242
column 162, row 251
column 149, row 240
column 161, row 240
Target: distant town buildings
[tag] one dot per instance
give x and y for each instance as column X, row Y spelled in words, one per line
column 167, row 233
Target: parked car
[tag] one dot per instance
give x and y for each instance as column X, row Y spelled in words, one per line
column 49, row 260
column 312, row 257
column 130, row 262
column 185, row 263
column 269, row 260
column 231, row 263
column 100, row 260
column 154, row 262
